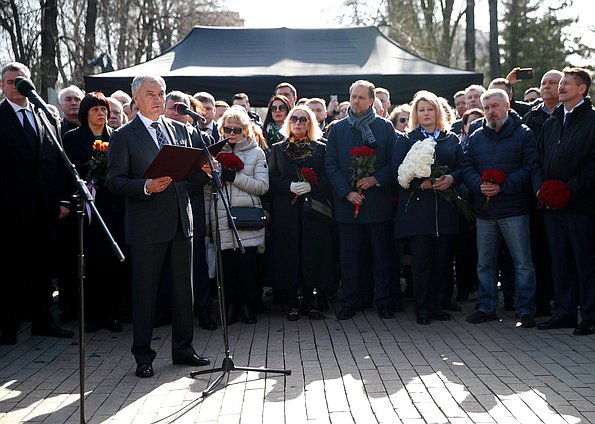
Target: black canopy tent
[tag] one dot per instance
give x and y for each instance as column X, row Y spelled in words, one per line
column 318, row 62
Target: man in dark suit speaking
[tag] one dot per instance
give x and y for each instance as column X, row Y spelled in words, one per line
column 158, row 222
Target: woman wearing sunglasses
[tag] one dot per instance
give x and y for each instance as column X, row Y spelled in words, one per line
column 279, row 107
column 400, row 117
column 243, row 181
column 301, row 234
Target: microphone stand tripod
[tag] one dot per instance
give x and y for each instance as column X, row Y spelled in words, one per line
column 228, row 365
column 84, row 198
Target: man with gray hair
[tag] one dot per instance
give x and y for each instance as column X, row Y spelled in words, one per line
column 497, row 171
column 69, row 99
column 158, row 222
column 383, row 95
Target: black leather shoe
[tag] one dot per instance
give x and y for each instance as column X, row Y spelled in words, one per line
column 346, row 312
column 293, row 314
column 585, row 328
column 479, row 317
column 207, row 322
column 144, row 370
column 8, row 339
column 52, row 330
column 385, row 312
column 194, row 360
column 557, row 322
column 423, row 320
column 527, row 321
column 453, row 306
column 441, row 316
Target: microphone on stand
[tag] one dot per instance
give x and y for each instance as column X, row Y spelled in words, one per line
column 183, row 109
column 27, row 89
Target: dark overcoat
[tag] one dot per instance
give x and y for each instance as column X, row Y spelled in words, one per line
column 298, row 236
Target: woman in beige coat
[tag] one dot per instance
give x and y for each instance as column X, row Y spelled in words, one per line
column 244, row 177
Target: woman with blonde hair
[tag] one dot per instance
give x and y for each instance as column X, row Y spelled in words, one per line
column 245, row 177
column 424, row 219
column 301, row 225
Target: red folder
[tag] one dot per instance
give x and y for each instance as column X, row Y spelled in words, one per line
column 179, row 162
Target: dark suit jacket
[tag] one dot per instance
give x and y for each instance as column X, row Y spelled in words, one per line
column 31, row 177
column 153, row 218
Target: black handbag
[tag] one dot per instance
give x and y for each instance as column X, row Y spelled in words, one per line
column 248, row 217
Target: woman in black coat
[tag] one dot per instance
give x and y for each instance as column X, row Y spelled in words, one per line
column 106, row 278
column 425, row 219
column 302, row 247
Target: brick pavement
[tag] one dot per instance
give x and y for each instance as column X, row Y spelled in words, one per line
column 365, row 370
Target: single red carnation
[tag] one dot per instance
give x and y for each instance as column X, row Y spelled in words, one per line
column 554, row 194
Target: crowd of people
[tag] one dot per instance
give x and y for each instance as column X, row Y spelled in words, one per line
column 491, row 194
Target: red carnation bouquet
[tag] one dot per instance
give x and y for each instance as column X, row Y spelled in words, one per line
column 230, row 161
column 494, row 176
column 362, row 166
column 305, row 175
column 554, row 194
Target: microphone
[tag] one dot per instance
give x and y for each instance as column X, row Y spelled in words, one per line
column 27, row 89
column 182, row 109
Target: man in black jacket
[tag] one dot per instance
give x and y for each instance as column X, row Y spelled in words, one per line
column 31, row 190
column 566, row 152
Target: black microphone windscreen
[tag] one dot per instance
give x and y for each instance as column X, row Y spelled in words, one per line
column 24, row 85
column 180, row 108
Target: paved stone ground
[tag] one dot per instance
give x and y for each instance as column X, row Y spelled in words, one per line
column 365, row 370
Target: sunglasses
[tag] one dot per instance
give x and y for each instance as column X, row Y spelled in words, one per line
column 302, row 119
column 235, row 130
column 282, row 108
column 403, row 120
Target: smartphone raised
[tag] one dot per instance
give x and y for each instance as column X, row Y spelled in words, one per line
column 334, row 97
column 524, row 73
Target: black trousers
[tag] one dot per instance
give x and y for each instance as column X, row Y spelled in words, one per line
column 239, row 277
column 431, row 257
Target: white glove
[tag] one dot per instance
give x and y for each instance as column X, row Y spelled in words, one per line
column 300, row 188
column 293, row 187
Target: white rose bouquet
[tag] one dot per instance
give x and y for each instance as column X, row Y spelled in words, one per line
column 420, row 162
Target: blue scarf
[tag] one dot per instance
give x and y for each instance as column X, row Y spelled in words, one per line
column 362, row 123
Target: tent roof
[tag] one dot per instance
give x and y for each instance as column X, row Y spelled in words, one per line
column 319, row 62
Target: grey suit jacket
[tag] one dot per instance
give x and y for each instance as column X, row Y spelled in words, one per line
column 153, row 218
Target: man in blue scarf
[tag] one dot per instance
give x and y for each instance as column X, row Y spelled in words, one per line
column 367, row 236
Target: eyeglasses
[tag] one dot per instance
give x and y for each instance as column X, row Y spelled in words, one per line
column 282, row 108
column 302, row 119
column 235, row 130
column 403, row 120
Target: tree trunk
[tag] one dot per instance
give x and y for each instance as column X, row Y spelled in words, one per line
column 49, row 38
column 89, row 47
column 470, row 36
column 494, row 46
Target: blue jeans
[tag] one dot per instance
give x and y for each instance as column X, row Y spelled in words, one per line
column 515, row 231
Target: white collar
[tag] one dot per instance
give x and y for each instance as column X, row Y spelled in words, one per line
column 17, row 108
column 148, row 121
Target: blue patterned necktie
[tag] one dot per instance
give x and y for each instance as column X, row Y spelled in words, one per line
column 161, row 140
